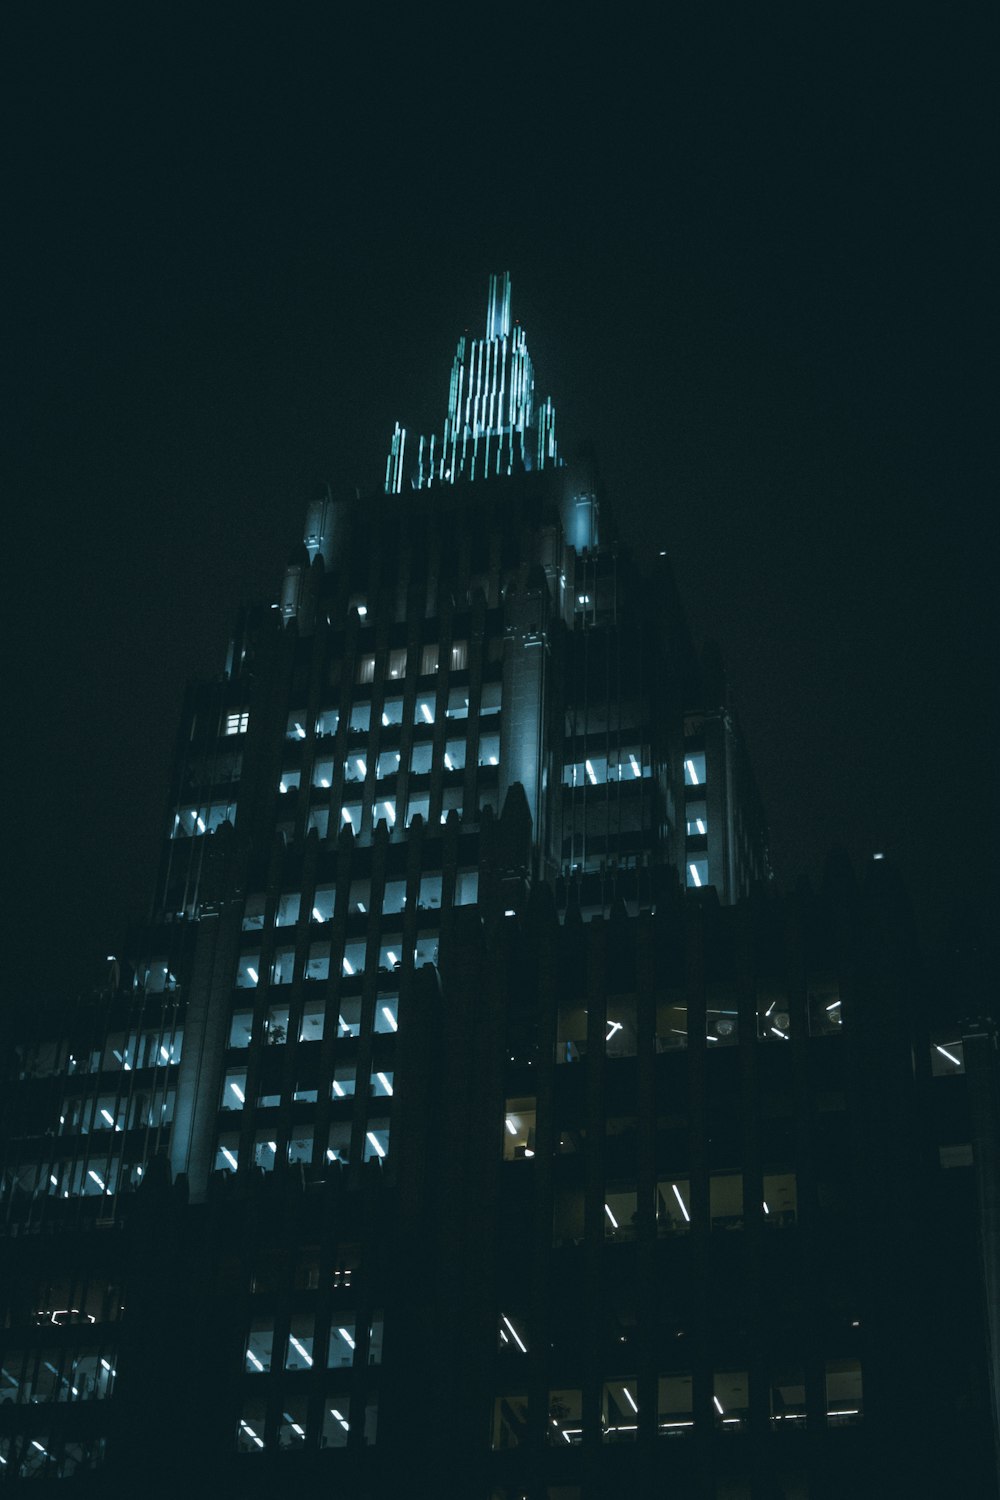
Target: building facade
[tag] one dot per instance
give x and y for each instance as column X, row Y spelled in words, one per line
column 471, row 1107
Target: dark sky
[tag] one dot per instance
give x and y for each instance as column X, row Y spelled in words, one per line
column 751, row 253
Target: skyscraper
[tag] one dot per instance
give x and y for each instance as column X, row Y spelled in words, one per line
column 469, row 1102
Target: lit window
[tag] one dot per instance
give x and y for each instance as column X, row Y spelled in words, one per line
column 731, row 1400
column 377, row 1140
column 458, row 703
column 288, row 909
column 844, row 1400
column 519, row 1129
column 418, row 807
column 620, row 1411
column 694, row 768
column 318, row 961
column 322, row 776
column 259, row 1346
column 366, row 669
column 336, row 1423
column 565, row 1424
column 674, row 1405
column 510, row 1422
column 299, row 1350
column 386, row 1013
column 248, row 973
column 392, row 712
column 424, row 709
column 397, row 664
column 326, row 723
column 696, row 815
column 343, row 1341
column 788, row 1399
column 673, row 1206
column 313, row 1016
column 236, row 723
column 429, row 661
column 697, row 873
column 947, row 1056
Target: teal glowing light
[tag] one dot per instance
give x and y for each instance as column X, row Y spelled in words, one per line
column 491, row 411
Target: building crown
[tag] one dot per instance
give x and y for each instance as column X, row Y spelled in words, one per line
column 492, row 427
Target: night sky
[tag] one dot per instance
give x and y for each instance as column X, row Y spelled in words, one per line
column 750, row 252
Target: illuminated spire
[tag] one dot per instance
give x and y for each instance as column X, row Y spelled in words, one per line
column 491, row 428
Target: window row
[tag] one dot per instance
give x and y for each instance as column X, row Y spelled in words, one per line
column 293, row 1427
column 343, row 1087
column 37, row 1456
column 425, row 710
column 302, row 1146
column 149, row 1048
column 629, row 764
column 390, row 957
column 388, row 763
column 824, row 1017
column 429, row 661
column 81, row 1115
column 673, row 1209
column 301, row 1349
column 77, row 1372
column 347, row 1016
column 327, row 823
column 192, row 821
column 289, row 907
column 728, row 1408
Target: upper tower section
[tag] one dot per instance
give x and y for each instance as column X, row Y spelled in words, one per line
column 493, row 427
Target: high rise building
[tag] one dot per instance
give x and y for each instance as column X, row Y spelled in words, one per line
column 471, row 1108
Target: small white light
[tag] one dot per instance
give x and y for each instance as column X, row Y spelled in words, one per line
column 699, row 823
column 391, row 956
column 385, row 721
column 509, row 912
column 834, row 1005
column 783, row 1034
column 54, row 1180
column 878, row 856
column 338, row 1090
column 299, row 730
column 494, row 761
column 363, row 610
column 766, row 1209
column 447, row 763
